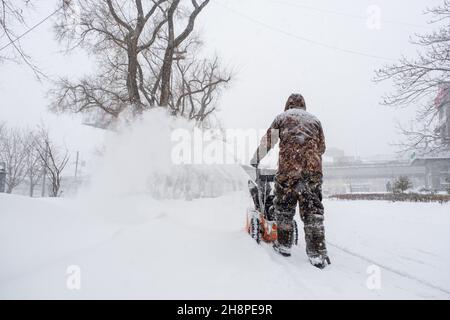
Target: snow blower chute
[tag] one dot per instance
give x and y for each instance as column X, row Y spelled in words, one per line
column 261, row 222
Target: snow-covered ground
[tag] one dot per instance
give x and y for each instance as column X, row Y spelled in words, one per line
column 136, row 247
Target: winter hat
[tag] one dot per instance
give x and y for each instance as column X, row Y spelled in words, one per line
column 295, row 101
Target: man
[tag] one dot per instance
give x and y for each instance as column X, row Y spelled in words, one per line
column 299, row 178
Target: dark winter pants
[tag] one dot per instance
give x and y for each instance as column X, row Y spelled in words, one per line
column 307, row 192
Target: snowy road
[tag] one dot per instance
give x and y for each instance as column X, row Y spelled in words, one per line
column 140, row 248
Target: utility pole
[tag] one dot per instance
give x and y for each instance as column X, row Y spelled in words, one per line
column 76, row 164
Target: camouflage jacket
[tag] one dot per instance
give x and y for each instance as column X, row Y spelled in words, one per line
column 302, row 142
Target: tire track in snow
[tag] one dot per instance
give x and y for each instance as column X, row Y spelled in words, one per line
column 390, row 269
column 286, row 265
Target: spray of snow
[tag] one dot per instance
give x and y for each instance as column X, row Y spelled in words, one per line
column 132, row 153
column 137, row 159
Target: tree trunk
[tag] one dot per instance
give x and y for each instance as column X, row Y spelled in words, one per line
column 55, row 187
column 132, row 80
column 31, row 188
column 166, row 73
column 166, row 70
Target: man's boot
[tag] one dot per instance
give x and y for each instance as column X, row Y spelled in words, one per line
column 284, row 240
column 315, row 241
column 320, row 261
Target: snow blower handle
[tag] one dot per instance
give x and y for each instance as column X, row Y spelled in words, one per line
column 258, row 173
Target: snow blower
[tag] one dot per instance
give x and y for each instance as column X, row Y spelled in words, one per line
column 261, row 222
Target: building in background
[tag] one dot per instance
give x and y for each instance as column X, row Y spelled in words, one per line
column 437, row 164
column 437, row 170
column 347, row 174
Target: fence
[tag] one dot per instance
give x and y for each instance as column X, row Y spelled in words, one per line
column 394, row 197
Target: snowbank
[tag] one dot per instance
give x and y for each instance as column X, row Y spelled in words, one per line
column 36, row 232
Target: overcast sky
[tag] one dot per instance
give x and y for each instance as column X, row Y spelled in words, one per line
column 267, row 42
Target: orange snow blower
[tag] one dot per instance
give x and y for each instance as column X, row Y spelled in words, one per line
column 260, row 222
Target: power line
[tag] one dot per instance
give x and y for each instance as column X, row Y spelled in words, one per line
column 355, row 16
column 242, row 15
column 31, row 29
column 289, row 34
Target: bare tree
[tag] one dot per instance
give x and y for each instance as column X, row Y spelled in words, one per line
column 174, row 42
column 11, row 18
column 198, row 84
column 54, row 160
column 11, row 14
column 12, row 153
column 418, row 81
column 33, row 164
column 118, row 28
column 138, row 44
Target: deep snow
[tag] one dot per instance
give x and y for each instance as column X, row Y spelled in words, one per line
column 137, row 247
